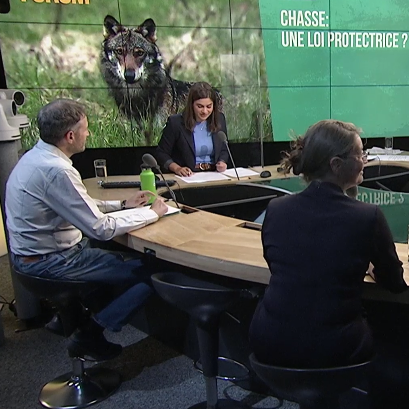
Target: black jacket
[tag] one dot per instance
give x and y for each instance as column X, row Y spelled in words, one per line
column 318, row 245
column 177, row 144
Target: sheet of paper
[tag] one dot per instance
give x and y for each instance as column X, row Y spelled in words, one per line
column 126, row 212
column 201, row 177
column 376, row 150
column 144, row 209
column 243, row 172
column 389, row 158
column 171, row 210
column 394, row 158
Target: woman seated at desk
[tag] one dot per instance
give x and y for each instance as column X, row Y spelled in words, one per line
column 318, row 245
column 189, row 140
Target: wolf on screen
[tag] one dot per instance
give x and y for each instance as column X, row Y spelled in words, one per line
column 133, row 68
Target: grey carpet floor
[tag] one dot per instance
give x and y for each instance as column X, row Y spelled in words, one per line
column 154, row 375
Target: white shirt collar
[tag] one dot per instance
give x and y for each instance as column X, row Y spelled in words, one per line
column 53, row 149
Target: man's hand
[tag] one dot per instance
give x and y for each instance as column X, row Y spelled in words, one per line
column 221, row 166
column 140, row 199
column 159, row 207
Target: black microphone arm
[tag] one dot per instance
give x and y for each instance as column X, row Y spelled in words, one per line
column 222, row 136
column 150, row 161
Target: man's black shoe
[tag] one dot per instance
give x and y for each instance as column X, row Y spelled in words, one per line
column 94, row 345
column 55, row 326
column 66, row 320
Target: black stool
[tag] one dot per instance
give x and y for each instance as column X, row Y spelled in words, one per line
column 204, row 302
column 80, row 387
column 310, row 388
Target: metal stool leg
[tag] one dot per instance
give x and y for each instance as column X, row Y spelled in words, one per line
column 208, row 346
column 79, row 388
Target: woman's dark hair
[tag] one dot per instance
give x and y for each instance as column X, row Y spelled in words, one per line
column 311, row 153
column 201, row 90
column 57, row 118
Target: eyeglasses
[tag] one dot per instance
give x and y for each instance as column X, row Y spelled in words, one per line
column 363, row 156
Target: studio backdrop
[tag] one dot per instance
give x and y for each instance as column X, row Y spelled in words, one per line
column 279, row 65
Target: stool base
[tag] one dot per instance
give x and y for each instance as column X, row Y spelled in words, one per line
column 325, row 405
column 70, row 392
column 221, row 404
column 228, row 369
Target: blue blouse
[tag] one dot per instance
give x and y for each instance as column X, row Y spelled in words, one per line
column 203, row 143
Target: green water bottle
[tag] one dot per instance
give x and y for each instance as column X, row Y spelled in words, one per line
column 148, row 181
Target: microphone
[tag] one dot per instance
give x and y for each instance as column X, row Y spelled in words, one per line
column 150, row 161
column 222, row 136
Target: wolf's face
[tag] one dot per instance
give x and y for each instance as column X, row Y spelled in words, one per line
column 132, row 66
column 131, row 55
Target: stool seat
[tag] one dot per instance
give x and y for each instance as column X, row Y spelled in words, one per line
column 310, row 388
column 55, row 289
column 204, row 301
column 66, row 295
column 80, row 387
column 196, row 297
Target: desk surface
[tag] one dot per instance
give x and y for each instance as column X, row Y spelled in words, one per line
column 210, row 242
column 95, row 191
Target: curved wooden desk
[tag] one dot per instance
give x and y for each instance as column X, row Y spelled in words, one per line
column 213, row 243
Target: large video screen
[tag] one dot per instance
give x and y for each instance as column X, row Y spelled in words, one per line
column 131, row 62
column 341, row 59
column 280, row 65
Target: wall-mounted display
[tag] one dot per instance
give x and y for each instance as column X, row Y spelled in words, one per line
column 341, row 59
column 279, row 65
column 132, row 62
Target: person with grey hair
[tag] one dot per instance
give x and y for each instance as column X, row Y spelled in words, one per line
column 47, row 211
column 319, row 244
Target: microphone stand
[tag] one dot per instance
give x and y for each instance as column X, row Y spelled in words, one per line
column 171, row 192
column 231, row 158
column 261, row 129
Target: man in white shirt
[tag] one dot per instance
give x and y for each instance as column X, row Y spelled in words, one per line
column 48, row 209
